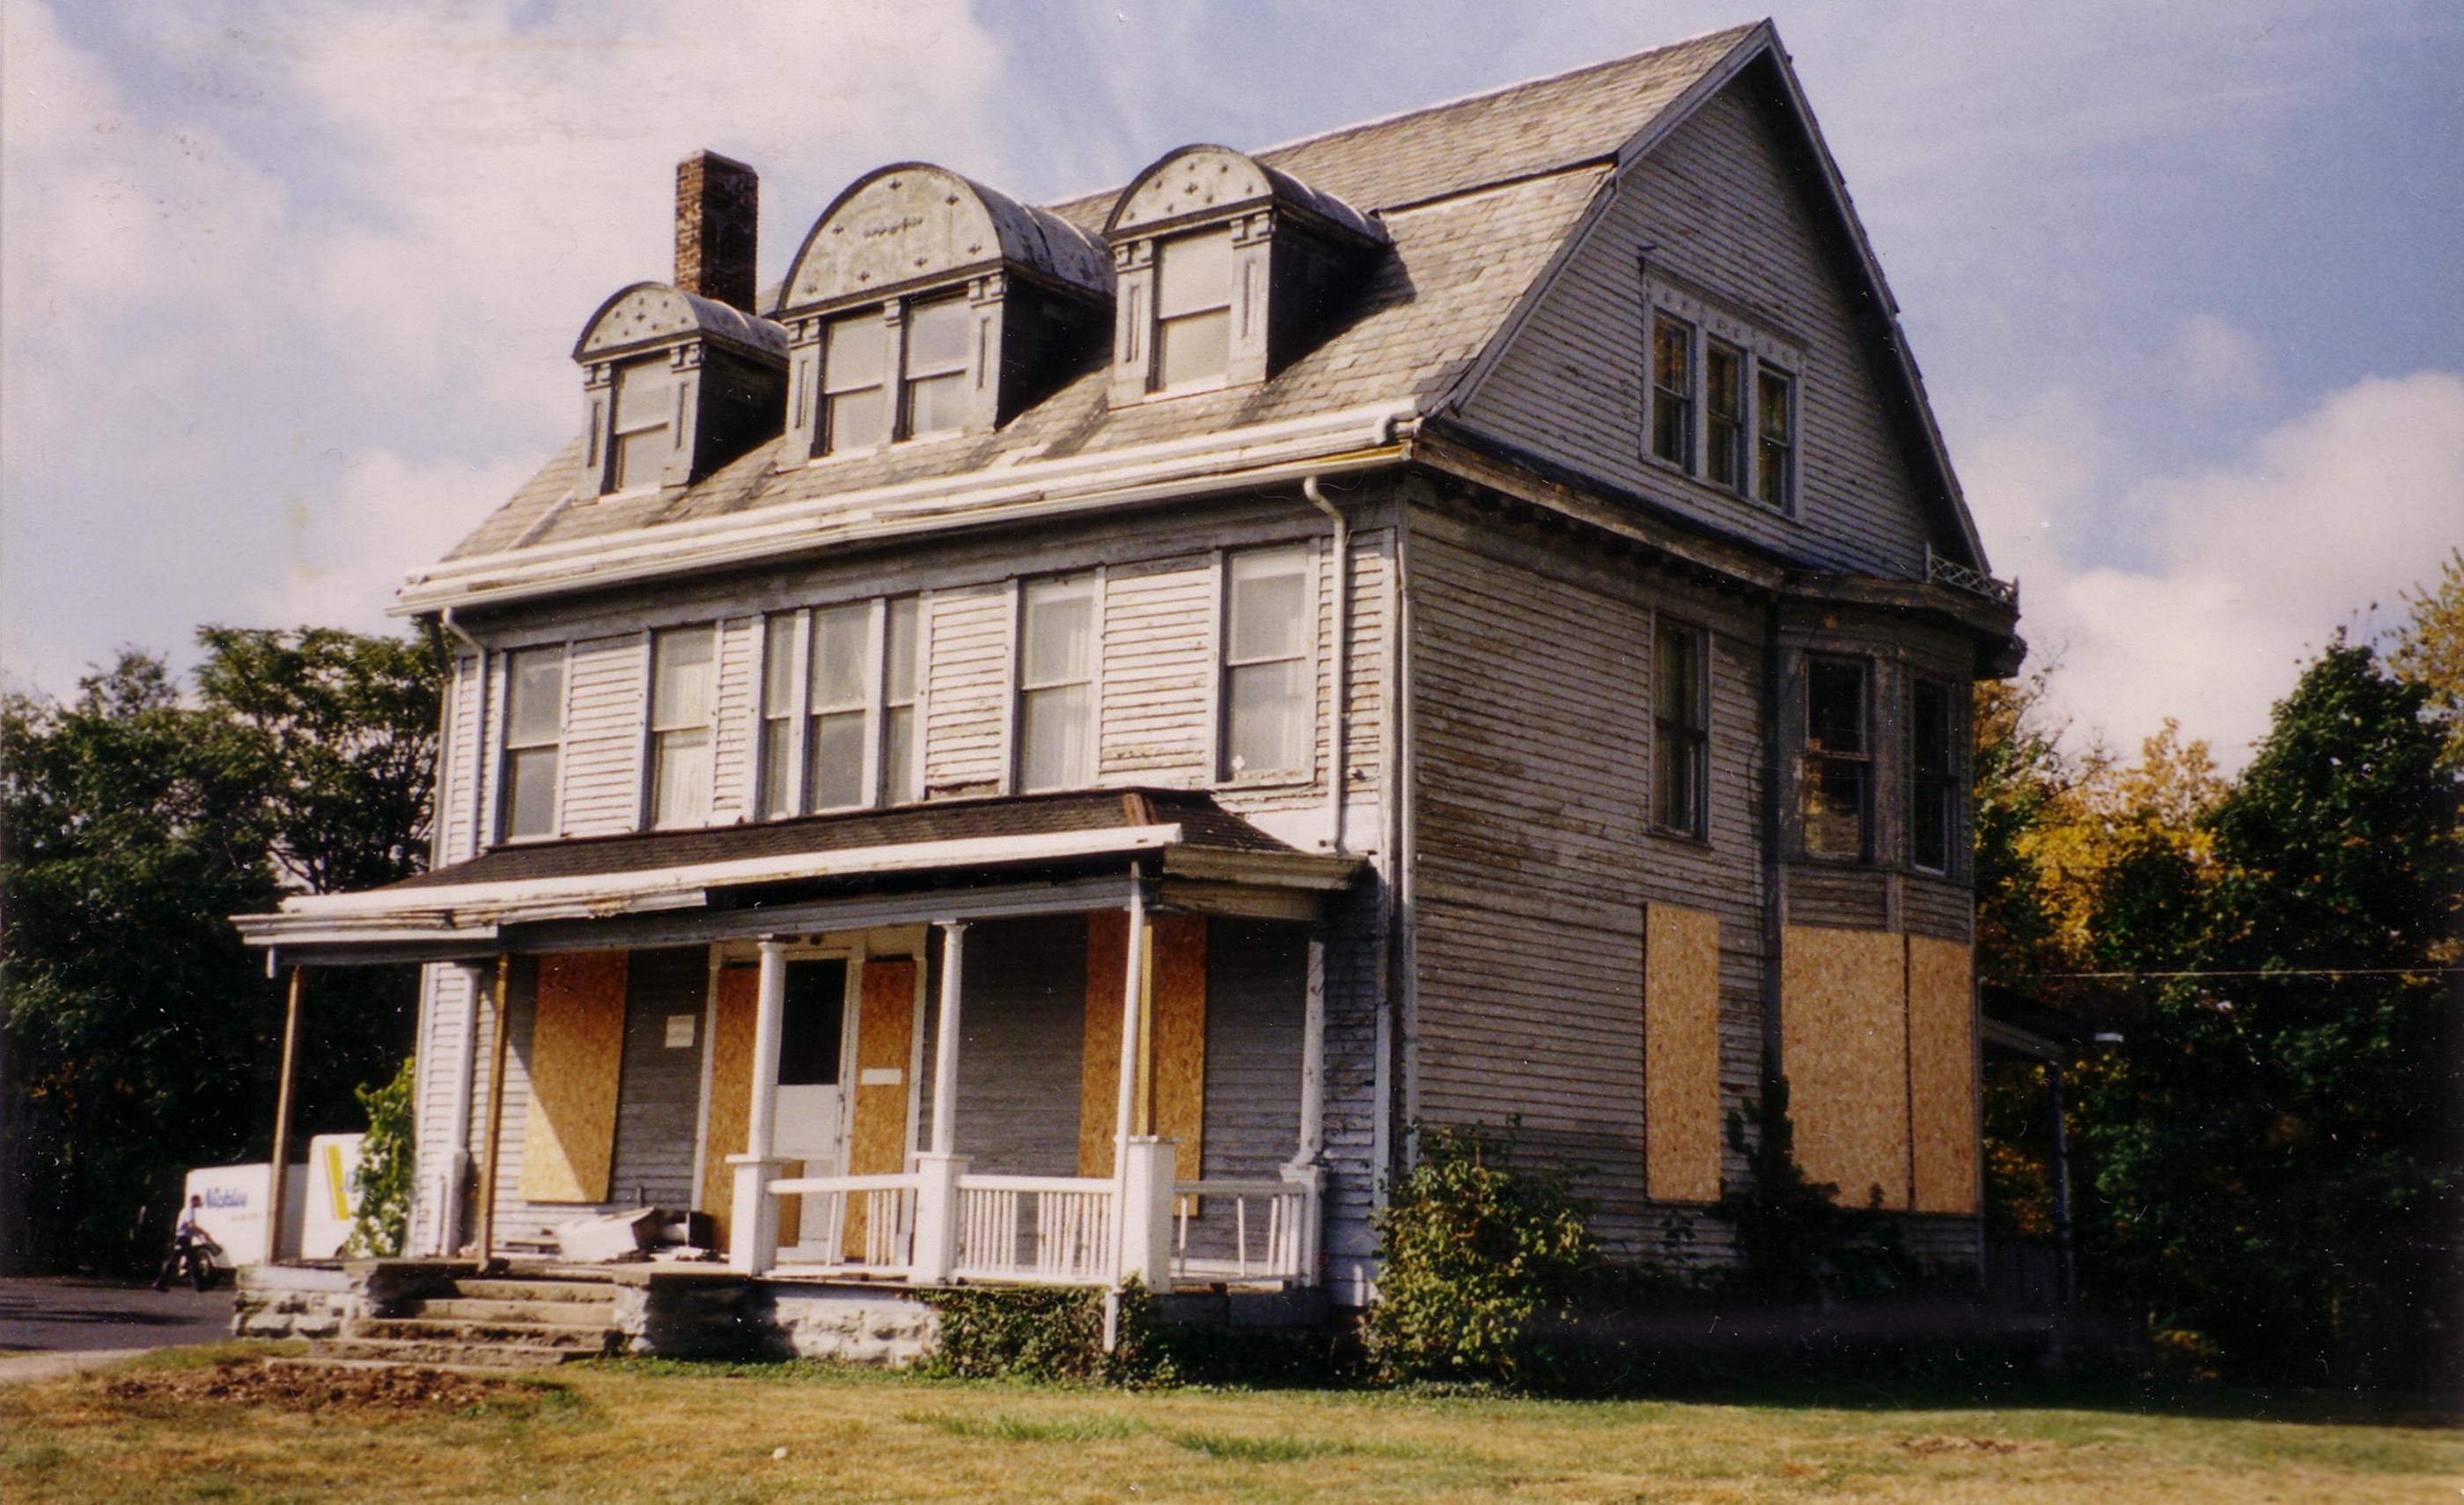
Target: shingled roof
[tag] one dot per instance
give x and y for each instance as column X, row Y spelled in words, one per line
column 1477, row 195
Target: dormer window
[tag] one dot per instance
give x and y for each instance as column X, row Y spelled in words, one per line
column 677, row 385
column 645, row 399
column 1228, row 271
column 924, row 304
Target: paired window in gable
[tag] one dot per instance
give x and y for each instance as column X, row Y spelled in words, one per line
column 1721, row 400
column 1680, row 716
column 929, row 374
column 534, row 742
column 838, row 708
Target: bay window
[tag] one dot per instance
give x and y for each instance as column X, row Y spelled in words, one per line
column 1932, row 811
column 1056, row 684
column 1837, row 780
column 1270, row 694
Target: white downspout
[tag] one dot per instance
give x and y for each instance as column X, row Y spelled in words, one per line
column 1339, row 670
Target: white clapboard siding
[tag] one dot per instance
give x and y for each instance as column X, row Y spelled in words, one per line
column 1373, row 560
column 443, row 1056
column 457, row 764
column 1719, row 208
column 739, row 647
column 602, row 736
column 1158, row 671
column 966, row 729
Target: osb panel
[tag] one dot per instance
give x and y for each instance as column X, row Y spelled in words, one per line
column 731, row 1090
column 1942, row 1075
column 1178, row 1072
column 885, row 1040
column 1680, row 1050
column 576, row 1067
column 791, row 1209
column 1844, row 1045
column 1099, row 1073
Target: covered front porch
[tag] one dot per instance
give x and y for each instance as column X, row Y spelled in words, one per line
column 1075, row 1062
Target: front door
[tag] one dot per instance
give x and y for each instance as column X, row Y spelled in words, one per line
column 806, row 1133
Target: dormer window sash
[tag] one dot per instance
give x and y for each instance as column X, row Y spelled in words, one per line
column 1196, row 282
column 856, row 352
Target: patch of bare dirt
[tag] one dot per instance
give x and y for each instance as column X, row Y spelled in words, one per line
column 305, row 1388
column 1938, row 1442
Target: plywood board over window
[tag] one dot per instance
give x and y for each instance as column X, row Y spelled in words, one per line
column 1942, row 1075
column 1174, row 1091
column 884, row 1037
column 1843, row 1043
column 576, row 1066
column 1681, row 1033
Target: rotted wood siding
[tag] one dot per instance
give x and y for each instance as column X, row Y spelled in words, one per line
column 967, row 737
column 603, row 735
column 656, row 1112
column 1716, row 208
column 740, row 709
column 1159, row 671
column 1257, row 977
column 1020, row 1023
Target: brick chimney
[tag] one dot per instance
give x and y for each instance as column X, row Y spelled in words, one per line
column 719, row 213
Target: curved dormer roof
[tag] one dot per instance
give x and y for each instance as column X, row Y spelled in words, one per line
column 912, row 222
column 1205, row 181
column 655, row 313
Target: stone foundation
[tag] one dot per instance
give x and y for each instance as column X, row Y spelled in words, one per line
column 296, row 1301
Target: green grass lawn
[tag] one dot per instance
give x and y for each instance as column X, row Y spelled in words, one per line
column 156, row 1433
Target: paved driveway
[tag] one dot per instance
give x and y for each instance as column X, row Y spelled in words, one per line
column 61, row 1316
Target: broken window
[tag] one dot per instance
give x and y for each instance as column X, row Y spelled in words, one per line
column 1268, row 691
column 1838, row 772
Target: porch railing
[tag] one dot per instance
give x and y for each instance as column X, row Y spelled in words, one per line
column 1240, row 1230
column 1052, row 1229
column 865, row 1223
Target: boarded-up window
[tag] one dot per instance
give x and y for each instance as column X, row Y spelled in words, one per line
column 1169, row 1099
column 1843, row 1043
column 1680, row 1019
column 1942, row 1075
column 576, row 1066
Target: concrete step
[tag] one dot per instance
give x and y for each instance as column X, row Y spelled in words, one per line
column 564, row 1336
column 496, row 1310
column 523, row 1290
column 445, row 1354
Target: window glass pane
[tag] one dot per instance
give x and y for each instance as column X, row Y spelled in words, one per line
column 1059, row 645
column 900, row 775
column 1196, row 347
column 1931, row 732
column 1269, row 718
column 778, row 767
column 534, row 697
column 857, row 354
column 1723, row 410
column 835, row 776
column 937, row 336
column 1775, row 449
column 530, row 778
column 681, row 677
column 1677, row 778
column 778, row 664
column 641, row 458
column 644, row 394
column 936, row 404
column 1056, row 737
column 1835, row 705
column 812, row 1023
column 1929, row 827
column 680, row 778
column 1193, row 273
column 1672, row 395
column 1679, row 680
column 1269, row 606
column 898, row 667
column 840, row 636
column 858, row 420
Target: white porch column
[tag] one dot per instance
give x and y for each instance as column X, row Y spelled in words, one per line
column 755, row 1235
column 462, row 1065
column 1307, row 1169
column 937, row 1170
column 1133, row 1017
column 1150, row 1167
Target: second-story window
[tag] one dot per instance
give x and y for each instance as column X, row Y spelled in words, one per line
column 934, row 385
column 779, row 715
column 1193, row 310
column 1672, row 391
column 683, row 680
column 838, row 703
column 1724, row 417
column 1838, row 769
column 1931, row 810
column 534, row 736
column 1269, row 719
column 902, row 769
column 855, row 369
column 645, row 400
column 1056, row 684
column 838, row 708
column 1681, row 730
column 1775, row 436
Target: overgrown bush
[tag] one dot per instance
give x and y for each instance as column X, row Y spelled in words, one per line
column 1042, row 1333
column 1475, row 1246
column 1795, row 1240
column 381, row 1205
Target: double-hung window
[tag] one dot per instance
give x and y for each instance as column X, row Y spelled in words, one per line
column 1775, row 437
column 1723, row 416
column 1839, row 766
column 1269, row 720
column 838, row 708
column 1721, row 398
column 1933, row 813
column 855, row 371
column 933, row 382
column 1681, row 730
column 1672, row 391
column 646, row 401
column 533, row 738
column 1193, row 310
column 1056, row 684
column 683, row 684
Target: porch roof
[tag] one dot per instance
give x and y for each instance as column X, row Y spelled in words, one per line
column 463, row 908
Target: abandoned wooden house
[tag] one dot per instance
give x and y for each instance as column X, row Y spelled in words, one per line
column 1039, row 748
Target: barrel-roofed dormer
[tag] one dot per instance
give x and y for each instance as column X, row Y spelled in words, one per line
column 925, row 303
column 677, row 385
column 1227, row 270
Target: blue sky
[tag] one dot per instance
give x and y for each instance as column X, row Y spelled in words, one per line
column 288, row 287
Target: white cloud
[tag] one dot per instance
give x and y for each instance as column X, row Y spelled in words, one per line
column 2213, row 363
column 341, row 561
column 2249, row 567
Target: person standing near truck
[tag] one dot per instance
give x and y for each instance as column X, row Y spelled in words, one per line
column 186, row 1237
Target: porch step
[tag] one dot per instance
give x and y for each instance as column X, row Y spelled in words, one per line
column 444, row 1354
column 562, row 1336
column 497, row 1311
column 544, row 1289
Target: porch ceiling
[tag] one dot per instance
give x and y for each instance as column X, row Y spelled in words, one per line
column 464, row 909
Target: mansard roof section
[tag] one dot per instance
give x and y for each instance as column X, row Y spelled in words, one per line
column 1196, row 183
column 912, row 223
column 649, row 314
